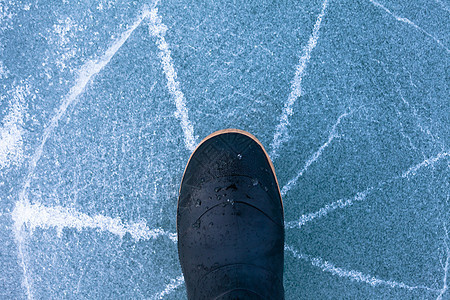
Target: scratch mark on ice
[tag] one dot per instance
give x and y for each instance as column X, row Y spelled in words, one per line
column 158, row 29
column 324, row 211
column 40, row 216
column 353, row 275
column 173, row 285
column 427, row 162
column 281, row 132
column 409, row 22
column 333, row 134
column 360, row 196
column 85, row 75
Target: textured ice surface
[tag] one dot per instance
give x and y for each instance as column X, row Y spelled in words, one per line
column 102, row 103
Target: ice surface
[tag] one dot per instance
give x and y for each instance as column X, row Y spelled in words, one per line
column 102, row 103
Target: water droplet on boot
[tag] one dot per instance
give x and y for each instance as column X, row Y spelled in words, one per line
column 217, row 189
column 255, row 181
column 196, row 224
column 198, row 203
column 239, row 156
column 211, row 224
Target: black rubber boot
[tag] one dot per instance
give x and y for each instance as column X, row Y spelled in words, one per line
column 230, row 220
